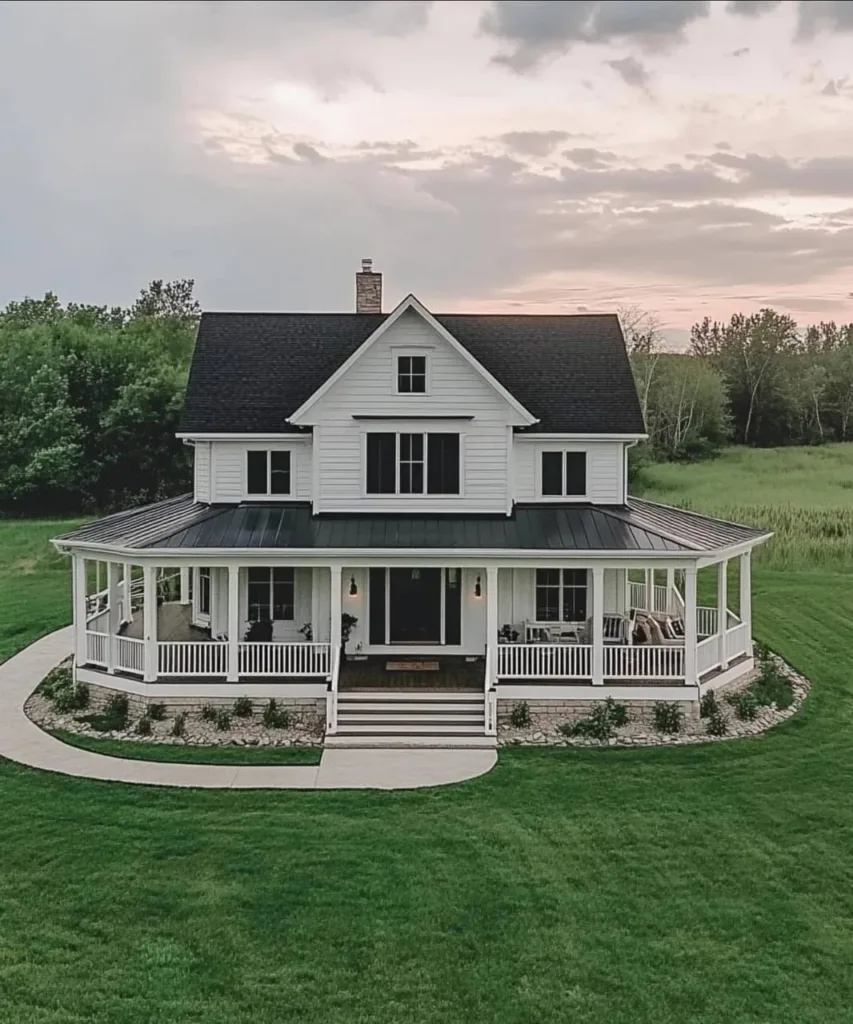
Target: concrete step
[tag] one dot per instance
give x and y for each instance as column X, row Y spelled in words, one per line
column 411, row 728
column 367, row 742
column 409, row 696
column 385, row 707
column 437, row 721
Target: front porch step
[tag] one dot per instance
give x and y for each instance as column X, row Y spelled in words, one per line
column 384, row 695
column 368, row 742
column 407, row 718
column 411, row 718
column 382, row 728
column 380, row 707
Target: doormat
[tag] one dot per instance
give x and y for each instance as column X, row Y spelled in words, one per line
column 411, row 666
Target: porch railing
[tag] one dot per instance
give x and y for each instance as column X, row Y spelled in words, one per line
column 130, row 655
column 283, row 659
column 544, row 661
column 664, row 601
column 196, row 658
column 737, row 641
column 646, row 661
column 96, row 648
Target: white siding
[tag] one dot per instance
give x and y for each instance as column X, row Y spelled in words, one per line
column 201, row 469
column 228, row 462
column 367, row 389
column 605, row 469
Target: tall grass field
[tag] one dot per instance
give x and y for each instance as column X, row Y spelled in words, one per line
column 709, row 884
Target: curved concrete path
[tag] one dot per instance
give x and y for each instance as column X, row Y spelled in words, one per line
column 23, row 741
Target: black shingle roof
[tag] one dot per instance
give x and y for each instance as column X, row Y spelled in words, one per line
column 250, row 371
column 640, row 526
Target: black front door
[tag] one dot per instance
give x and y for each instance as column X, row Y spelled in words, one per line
column 415, row 606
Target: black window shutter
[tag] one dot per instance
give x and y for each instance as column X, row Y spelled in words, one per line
column 443, row 464
column 376, row 606
column 381, row 463
column 256, row 475
column 552, row 473
column 575, row 472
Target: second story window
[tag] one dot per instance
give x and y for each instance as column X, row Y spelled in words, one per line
column 411, row 375
column 412, row 463
column 563, row 474
column 267, row 472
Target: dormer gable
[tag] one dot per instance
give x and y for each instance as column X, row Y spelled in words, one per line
column 411, row 365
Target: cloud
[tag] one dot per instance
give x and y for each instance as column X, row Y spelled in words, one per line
column 813, row 16
column 534, row 143
column 751, row 8
column 631, row 71
column 537, row 29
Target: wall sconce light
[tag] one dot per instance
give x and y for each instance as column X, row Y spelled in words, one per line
column 353, row 586
column 478, row 588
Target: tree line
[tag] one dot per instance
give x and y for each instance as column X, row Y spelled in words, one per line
column 756, row 380
column 90, row 396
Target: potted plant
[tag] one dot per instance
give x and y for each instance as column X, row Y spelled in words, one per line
column 259, row 631
column 507, row 635
column 307, row 632
column 348, row 623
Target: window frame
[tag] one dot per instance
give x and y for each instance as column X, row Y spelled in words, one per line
column 561, row 587
column 408, row 353
column 268, row 495
column 424, row 462
column 563, row 450
column 270, row 584
column 203, row 578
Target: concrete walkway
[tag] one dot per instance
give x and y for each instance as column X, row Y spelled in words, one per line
column 23, row 741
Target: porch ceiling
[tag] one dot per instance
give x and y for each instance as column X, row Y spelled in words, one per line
column 636, row 528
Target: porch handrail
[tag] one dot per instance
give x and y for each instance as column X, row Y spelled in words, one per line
column 707, row 655
column 96, row 648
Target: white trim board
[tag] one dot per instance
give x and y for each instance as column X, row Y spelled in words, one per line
column 410, row 302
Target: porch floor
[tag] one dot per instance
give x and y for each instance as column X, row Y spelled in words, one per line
column 454, row 673
column 174, row 623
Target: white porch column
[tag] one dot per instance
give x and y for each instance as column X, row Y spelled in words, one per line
column 335, row 608
column 722, row 610
column 670, row 591
column 315, row 603
column 126, row 604
column 78, row 582
column 113, row 616
column 185, row 584
column 650, row 590
column 492, row 620
column 746, row 597
column 233, row 623
column 598, row 625
column 149, row 623
column 690, row 676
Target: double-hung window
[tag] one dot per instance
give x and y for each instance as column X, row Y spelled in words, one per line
column 411, row 375
column 563, row 474
column 412, row 463
column 561, row 595
column 271, row 594
column 267, row 472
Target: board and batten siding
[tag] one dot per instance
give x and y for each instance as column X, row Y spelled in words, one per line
column 605, row 469
column 228, row 468
column 368, row 389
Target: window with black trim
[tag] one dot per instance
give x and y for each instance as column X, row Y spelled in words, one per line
column 204, row 591
column 563, row 474
column 271, row 594
column 267, row 472
column 413, row 463
column 561, row 595
column 411, row 375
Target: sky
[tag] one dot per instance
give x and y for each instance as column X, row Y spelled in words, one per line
column 690, row 158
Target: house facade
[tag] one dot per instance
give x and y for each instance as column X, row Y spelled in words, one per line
column 412, row 520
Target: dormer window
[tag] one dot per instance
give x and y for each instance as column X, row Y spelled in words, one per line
column 411, row 375
column 563, row 474
column 267, row 472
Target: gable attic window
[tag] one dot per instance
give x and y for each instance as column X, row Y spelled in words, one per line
column 412, row 463
column 411, row 375
column 563, row 474
column 267, row 472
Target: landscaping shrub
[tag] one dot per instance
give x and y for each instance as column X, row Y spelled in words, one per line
column 243, row 707
column 709, row 705
column 179, row 726
column 745, row 705
column 771, row 687
column 520, row 715
column 601, row 725
column 56, row 679
column 222, row 719
column 70, row 698
column 208, row 713
column 156, row 712
column 716, row 724
column 668, row 716
column 144, row 726
column 275, row 717
column 113, row 717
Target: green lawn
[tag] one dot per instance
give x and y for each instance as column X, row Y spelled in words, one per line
column 139, row 750
column 710, row 885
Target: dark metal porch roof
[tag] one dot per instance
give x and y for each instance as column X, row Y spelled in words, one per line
column 639, row 526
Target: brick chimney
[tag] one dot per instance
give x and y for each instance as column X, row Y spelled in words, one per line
column 368, row 289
